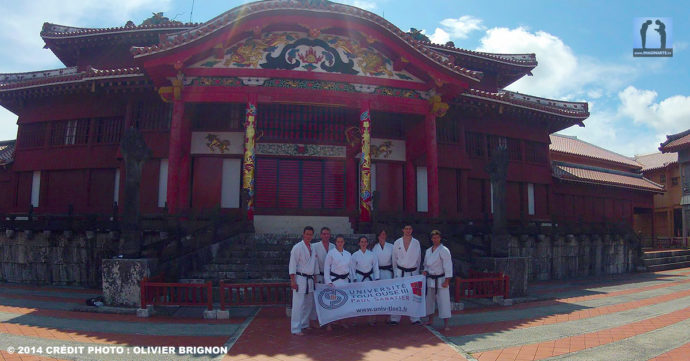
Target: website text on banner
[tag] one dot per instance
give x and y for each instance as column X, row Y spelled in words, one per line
column 398, row 296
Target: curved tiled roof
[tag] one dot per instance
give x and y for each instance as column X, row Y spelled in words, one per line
column 557, row 107
column 43, row 78
column 235, row 15
column 572, row 145
column 55, row 31
column 656, row 160
column 7, row 151
column 595, row 175
column 676, row 142
column 526, row 60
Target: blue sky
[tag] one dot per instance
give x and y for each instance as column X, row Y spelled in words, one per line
column 584, row 50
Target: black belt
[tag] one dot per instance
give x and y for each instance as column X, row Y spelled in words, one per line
column 387, row 268
column 365, row 275
column 308, row 277
column 408, row 270
column 435, row 278
column 335, row 277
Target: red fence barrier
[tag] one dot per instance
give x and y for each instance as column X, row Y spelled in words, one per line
column 484, row 285
column 176, row 294
column 250, row 294
column 670, row 242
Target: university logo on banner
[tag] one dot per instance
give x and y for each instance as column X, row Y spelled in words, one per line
column 398, row 296
column 333, row 298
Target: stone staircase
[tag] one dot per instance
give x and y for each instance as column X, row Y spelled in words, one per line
column 256, row 258
column 665, row 260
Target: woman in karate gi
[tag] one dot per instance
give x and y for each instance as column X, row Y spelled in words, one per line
column 336, row 269
column 407, row 256
column 384, row 254
column 438, row 269
column 365, row 266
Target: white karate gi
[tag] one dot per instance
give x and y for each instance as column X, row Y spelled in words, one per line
column 321, row 253
column 385, row 259
column 438, row 262
column 337, row 263
column 303, row 265
column 365, row 262
column 409, row 259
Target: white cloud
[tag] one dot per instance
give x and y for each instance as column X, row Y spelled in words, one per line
column 669, row 116
column 639, row 123
column 461, row 27
column 561, row 73
column 8, row 124
column 22, row 48
column 627, row 120
column 439, row 36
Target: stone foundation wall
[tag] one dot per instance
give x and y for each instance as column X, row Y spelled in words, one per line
column 54, row 258
column 573, row 256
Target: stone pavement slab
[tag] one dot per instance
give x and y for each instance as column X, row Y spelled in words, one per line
column 269, row 338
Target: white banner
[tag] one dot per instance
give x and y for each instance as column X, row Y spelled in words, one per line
column 398, row 296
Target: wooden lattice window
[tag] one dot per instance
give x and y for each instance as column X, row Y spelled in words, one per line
column 219, row 117
column 493, row 142
column 108, row 130
column 514, row 149
column 474, row 144
column 152, row 116
column 32, row 135
column 304, row 123
column 296, row 183
column 69, row 132
column 535, row 152
column 447, row 130
column 388, row 125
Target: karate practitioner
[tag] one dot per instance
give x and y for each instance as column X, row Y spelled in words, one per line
column 337, row 270
column 365, row 264
column 384, row 254
column 407, row 256
column 303, row 268
column 438, row 269
column 321, row 249
column 365, row 267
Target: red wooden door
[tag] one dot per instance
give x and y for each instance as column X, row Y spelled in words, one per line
column 207, row 182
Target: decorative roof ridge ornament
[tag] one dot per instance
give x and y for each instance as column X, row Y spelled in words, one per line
column 438, row 107
column 173, row 91
column 237, row 14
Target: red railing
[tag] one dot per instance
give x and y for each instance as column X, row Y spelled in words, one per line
column 176, row 294
column 482, row 285
column 670, row 242
column 251, row 294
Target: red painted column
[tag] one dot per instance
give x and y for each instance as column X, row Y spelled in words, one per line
column 432, row 164
column 410, row 186
column 184, row 180
column 174, row 156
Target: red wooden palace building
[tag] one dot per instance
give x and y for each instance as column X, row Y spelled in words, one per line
column 308, row 106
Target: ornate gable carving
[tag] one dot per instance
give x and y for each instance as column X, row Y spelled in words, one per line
column 300, row 52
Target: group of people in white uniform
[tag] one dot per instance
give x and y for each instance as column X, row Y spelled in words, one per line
column 330, row 264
